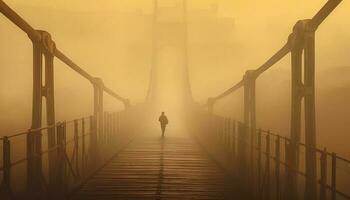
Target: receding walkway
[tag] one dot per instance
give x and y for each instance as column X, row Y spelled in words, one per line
column 155, row 168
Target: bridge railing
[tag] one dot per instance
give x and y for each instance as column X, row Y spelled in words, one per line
column 261, row 166
column 76, row 155
column 52, row 139
column 301, row 46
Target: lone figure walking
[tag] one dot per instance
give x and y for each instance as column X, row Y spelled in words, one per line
column 163, row 122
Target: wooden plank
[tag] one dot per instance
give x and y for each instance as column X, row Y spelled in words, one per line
column 151, row 168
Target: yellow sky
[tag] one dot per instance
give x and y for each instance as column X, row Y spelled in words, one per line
column 97, row 43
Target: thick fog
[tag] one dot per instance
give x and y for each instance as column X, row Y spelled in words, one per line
column 113, row 40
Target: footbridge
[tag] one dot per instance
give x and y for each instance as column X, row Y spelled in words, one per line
column 111, row 155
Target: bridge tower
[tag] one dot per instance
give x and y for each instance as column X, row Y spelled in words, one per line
column 170, row 30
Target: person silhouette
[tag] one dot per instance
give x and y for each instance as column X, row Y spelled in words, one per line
column 163, row 122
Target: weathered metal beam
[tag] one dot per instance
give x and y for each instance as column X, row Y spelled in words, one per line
column 274, row 59
column 231, row 90
column 19, row 21
column 325, row 11
column 72, row 65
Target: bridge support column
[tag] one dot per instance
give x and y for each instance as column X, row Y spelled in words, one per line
column 45, row 46
column 310, row 119
column 293, row 149
column 303, row 41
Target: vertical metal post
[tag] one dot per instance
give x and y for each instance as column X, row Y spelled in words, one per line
column 334, row 177
column 108, row 127
column 259, row 177
column 252, row 100
column 268, row 155
column 118, row 124
column 76, row 146
column 246, row 102
column 105, row 128
column 233, row 143
column 93, row 148
column 61, row 165
column 97, row 119
column 7, row 163
column 83, row 153
column 49, row 48
column 287, row 166
column 252, row 124
column 100, row 107
column 242, row 157
column 293, row 158
column 323, row 186
column 228, row 134
column 224, row 132
column 114, row 125
column 45, row 46
column 277, row 168
column 250, row 117
column 244, row 137
column 34, row 139
column 310, row 119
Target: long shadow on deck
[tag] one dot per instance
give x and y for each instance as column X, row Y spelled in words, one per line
column 159, row 168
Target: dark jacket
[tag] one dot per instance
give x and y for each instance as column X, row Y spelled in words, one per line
column 163, row 120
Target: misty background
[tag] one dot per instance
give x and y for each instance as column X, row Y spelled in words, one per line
column 113, row 40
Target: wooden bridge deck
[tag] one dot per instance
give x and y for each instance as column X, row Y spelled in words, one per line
column 155, row 168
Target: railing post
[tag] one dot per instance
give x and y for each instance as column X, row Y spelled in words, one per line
column 93, row 148
column 76, row 146
column 323, row 186
column 114, row 125
column 61, row 164
column 7, row 163
column 259, row 177
column 268, row 156
column 83, row 151
column 45, row 46
column 228, row 135
column 49, row 48
column 118, row 123
column 105, row 128
column 293, row 158
column 277, row 168
column 334, row 177
column 108, row 126
column 233, row 147
column 250, row 116
column 310, row 119
column 34, row 139
column 233, row 143
column 242, row 158
column 98, row 124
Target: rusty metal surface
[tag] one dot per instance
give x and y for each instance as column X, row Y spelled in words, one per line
column 155, row 168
